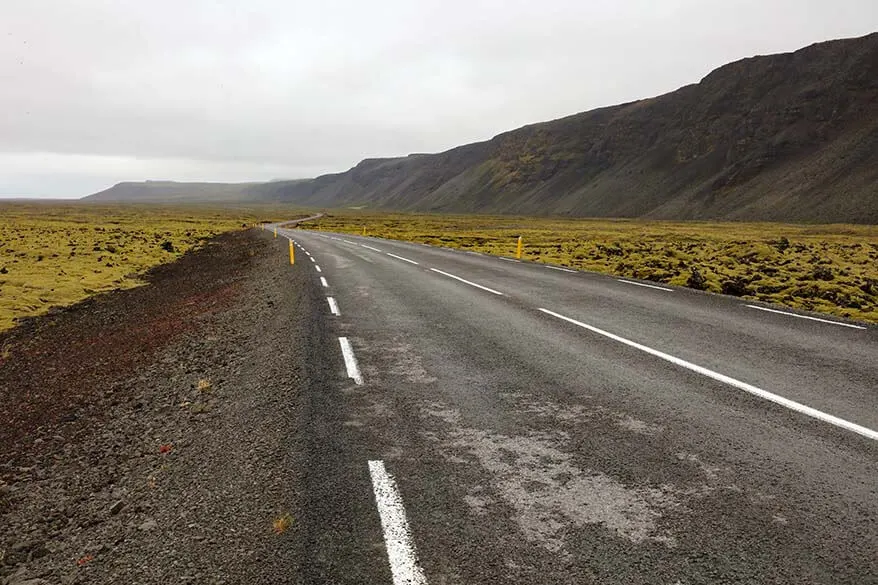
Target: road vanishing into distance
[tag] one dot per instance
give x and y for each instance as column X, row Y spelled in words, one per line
column 494, row 421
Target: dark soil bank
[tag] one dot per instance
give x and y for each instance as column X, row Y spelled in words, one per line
column 152, row 435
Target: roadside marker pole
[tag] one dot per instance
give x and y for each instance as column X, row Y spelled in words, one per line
column 364, row 230
column 292, row 253
column 275, row 231
column 519, row 249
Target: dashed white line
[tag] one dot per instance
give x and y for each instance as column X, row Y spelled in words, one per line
column 350, row 242
column 785, row 402
column 317, row 268
column 323, row 282
column 350, row 362
column 403, row 259
column 805, row 317
column 333, row 306
column 313, row 260
column 559, row 268
column 401, row 553
column 509, row 259
column 490, row 290
column 370, row 248
column 645, row 285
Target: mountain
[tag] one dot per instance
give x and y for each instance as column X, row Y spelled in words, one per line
column 787, row 137
column 175, row 192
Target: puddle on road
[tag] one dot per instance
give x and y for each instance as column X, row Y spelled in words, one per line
column 548, row 491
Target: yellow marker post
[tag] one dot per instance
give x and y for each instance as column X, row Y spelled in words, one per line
column 275, row 231
column 364, row 230
column 520, row 248
column 292, row 253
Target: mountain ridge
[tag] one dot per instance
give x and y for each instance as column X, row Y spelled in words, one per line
column 784, row 137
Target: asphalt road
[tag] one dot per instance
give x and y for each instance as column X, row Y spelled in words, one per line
column 489, row 421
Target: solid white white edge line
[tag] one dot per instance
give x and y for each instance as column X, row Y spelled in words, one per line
column 350, row 362
column 805, row 317
column 401, row 552
column 559, row 268
column 749, row 388
column 644, row 285
column 509, row 259
column 323, row 282
column 333, row 306
column 473, row 253
column 317, row 268
column 403, row 259
column 490, row 290
column 370, row 248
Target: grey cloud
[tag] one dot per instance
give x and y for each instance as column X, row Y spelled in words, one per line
column 234, row 90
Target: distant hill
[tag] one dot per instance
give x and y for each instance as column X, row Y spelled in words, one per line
column 788, row 137
column 176, row 192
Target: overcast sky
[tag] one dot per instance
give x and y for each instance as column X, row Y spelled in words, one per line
column 93, row 92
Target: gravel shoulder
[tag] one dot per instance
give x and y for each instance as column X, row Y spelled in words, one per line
column 158, row 434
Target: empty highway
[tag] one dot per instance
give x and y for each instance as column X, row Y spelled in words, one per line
column 495, row 421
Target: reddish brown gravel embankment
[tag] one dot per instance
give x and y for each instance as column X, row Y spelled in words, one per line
column 144, row 434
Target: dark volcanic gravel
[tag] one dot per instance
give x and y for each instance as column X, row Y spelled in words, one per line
column 149, row 435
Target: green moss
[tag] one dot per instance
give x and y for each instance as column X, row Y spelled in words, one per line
column 828, row 268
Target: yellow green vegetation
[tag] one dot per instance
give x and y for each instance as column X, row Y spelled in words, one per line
column 827, row 268
column 57, row 254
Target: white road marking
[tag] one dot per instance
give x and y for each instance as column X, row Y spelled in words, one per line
column 323, row 282
column 349, row 242
column 509, row 259
column 806, row 317
column 401, row 551
column 370, row 248
column 313, row 260
column 333, row 306
column 559, row 268
column 490, row 290
column 350, row 362
column 473, row 253
column 645, row 285
column 317, row 268
column 403, row 259
column 785, row 402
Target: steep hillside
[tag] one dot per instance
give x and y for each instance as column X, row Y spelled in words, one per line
column 172, row 191
column 790, row 137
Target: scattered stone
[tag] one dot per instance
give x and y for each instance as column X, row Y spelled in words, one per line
column 148, row 525
column 117, row 507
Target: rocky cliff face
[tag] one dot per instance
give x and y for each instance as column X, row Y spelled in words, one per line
column 790, row 137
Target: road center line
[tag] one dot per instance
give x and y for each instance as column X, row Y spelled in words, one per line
column 312, row 259
column 559, row 268
column 401, row 551
column 403, row 259
column 785, row 402
column 333, row 306
column 370, row 248
column 805, row 317
column 645, row 285
column 317, row 268
column 350, row 242
column 509, row 259
column 350, row 362
column 490, row 290
column 323, row 282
